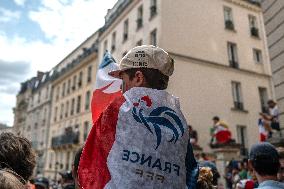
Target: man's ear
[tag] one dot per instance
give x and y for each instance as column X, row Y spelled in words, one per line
column 139, row 79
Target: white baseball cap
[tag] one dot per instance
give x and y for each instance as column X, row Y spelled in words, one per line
column 146, row 56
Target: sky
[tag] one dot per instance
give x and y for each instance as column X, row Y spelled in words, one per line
column 35, row 35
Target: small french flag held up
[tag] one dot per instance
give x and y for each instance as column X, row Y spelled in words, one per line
column 107, row 88
column 262, row 132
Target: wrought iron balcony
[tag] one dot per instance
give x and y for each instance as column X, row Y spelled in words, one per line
column 68, row 138
column 254, row 32
column 229, row 25
column 234, row 64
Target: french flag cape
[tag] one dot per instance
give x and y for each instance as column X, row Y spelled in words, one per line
column 140, row 140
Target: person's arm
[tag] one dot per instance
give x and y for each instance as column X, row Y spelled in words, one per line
column 192, row 169
column 266, row 116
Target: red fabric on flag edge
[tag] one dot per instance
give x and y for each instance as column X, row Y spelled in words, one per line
column 93, row 172
column 101, row 100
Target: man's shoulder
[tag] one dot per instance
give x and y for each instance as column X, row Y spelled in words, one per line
column 271, row 185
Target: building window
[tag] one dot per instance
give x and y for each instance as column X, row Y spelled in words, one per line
column 228, row 16
column 39, row 96
column 237, row 96
column 62, row 111
column 50, row 160
column 263, row 99
column 253, row 26
column 153, row 8
column 232, row 54
column 74, row 83
column 89, row 76
column 78, row 104
column 67, row 109
column 139, row 17
column 125, row 30
column 68, row 86
column 57, row 93
column 87, row 100
column 55, row 114
column 47, row 91
column 32, row 101
column 139, row 43
column 72, row 106
column 67, row 160
column 63, row 89
column 113, row 41
column 105, row 46
column 153, row 37
column 242, row 139
column 257, row 56
column 86, row 130
column 80, row 79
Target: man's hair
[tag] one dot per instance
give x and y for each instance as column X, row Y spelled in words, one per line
column 154, row 78
column 9, row 181
column 271, row 102
column 77, row 160
column 265, row 165
column 16, row 153
column 264, row 159
column 216, row 118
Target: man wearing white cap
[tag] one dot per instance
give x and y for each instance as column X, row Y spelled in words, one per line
column 149, row 142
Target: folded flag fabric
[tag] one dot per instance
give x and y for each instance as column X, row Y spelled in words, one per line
column 107, row 88
column 141, row 140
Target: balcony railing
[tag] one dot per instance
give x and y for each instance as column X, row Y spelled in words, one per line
column 229, row 25
column 239, row 105
column 254, row 32
column 67, row 138
column 234, row 64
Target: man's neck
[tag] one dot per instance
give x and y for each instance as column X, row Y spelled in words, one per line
column 265, row 178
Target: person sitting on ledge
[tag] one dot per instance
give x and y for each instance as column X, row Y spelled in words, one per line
column 220, row 133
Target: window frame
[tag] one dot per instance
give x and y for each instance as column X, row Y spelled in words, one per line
column 232, row 51
column 237, row 95
column 228, row 18
column 125, row 30
column 154, row 34
column 257, row 53
column 87, row 100
column 139, row 20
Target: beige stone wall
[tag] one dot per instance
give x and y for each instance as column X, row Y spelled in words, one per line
column 205, row 91
column 202, row 34
column 274, row 25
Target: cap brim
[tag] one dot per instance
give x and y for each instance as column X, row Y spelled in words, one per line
column 115, row 73
column 40, row 184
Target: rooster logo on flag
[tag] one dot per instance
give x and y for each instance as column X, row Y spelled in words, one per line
column 107, row 88
column 157, row 119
